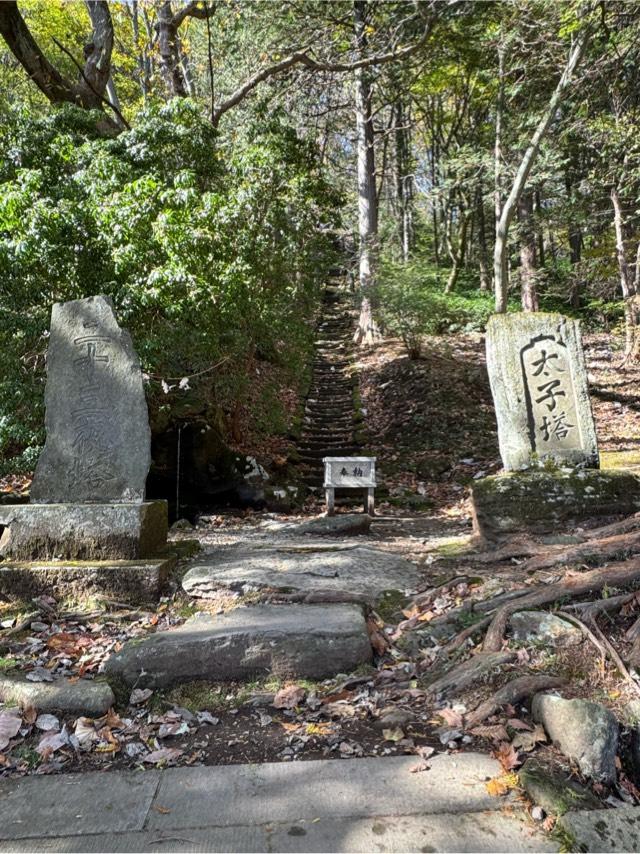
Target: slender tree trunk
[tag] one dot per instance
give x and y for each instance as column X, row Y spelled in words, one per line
column 367, row 332
column 627, row 284
column 498, row 155
column 528, row 256
column 483, row 254
column 537, row 209
column 169, row 52
column 508, row 209
column 457, row 253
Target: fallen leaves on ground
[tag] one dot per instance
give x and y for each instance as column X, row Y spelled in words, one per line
column 507, row 756
column 289, row 697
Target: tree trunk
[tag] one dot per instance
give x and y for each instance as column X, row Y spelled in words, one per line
column 528, row 256
column 88, row 92
column 169, row 51
column 500, row 255
column 457, row 254
column 627, row 284
column 483, row 254
column 367, row 332
column 498, row 155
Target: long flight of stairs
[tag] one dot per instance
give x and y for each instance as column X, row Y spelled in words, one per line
column 329, row 422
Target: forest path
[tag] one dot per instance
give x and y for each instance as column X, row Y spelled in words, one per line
column 329, row 422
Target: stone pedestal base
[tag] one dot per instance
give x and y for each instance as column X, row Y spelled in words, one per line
column 127, row 581
column 543, row 502
column 83, row 531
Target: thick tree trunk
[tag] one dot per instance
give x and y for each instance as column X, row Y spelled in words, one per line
column 367, row 332
column 500, row 255
column 169, row 51
column 88, row 92
column 528, row 255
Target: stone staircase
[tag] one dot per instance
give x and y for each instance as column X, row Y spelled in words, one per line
column 329, row 422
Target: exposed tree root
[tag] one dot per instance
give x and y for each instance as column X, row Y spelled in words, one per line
column 600, row 550
column 469, row 672
column 615, row 575
column 589, row 610
column 513, row 692
column 624, row 526
column 512, row 549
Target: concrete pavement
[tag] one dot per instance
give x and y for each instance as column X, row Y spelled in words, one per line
column 330, row 805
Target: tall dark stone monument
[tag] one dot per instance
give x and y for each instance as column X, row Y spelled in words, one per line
column 88, row 492
column 98, row 446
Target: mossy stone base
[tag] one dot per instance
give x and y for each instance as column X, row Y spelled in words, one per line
column 543, row 502
column 137, row 582
column 83, row 531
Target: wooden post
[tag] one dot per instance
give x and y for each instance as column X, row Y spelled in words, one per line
column 369, row 504
column 330, row 493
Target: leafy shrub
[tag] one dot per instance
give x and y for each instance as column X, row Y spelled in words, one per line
column 211, row 249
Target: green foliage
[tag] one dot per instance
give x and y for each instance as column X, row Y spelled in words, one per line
column 413, row 304
column 211, row 252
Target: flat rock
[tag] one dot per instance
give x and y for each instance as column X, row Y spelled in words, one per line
column 543, row 627
column 288, row 641
column 556, row 793
column 346, row 524
column 75, row 698
column 301, row 568
column 584, row 731
column 98, row 445
column 603, row 830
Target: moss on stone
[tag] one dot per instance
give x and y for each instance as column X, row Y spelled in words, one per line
column 545, row 501
column 620, row 459
column 554, row 792
column 390, row 604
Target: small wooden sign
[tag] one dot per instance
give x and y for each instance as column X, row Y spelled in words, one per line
column 349, row 473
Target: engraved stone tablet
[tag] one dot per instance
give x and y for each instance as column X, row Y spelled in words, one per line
column 539, row 385
column 98, row 446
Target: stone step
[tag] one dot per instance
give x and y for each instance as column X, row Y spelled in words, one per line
column 287, row 641
column 312, row 456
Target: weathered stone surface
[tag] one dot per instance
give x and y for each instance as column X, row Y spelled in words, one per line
column 83, row 531
column 554, row 792
column 546, row 501
column 603, row 830
column 539, row 384
column 98, row 445
column 130, row 581
column 287, row 641
column 354, row 569
column 584, row 731
column 543, row 627
column 346, row 524
column 74, row 698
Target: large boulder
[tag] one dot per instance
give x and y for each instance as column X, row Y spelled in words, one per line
column 584, row 731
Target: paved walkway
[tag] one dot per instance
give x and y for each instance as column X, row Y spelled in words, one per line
column 341, row 805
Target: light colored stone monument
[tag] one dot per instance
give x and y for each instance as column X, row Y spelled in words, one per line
column 89, row 486
column 538, row 380
column 546, row 433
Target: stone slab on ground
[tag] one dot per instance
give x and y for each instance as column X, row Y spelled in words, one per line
column 306, row 568
column 329, row 805
column 469, row 832
column 544, row 627
column 313, row 641
column 84, row 697
column 542, row 502
column 83, row 531
column 345, row 524
column 98, row 445
column 604, row 830
column 132, row 581
column 538, row 379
